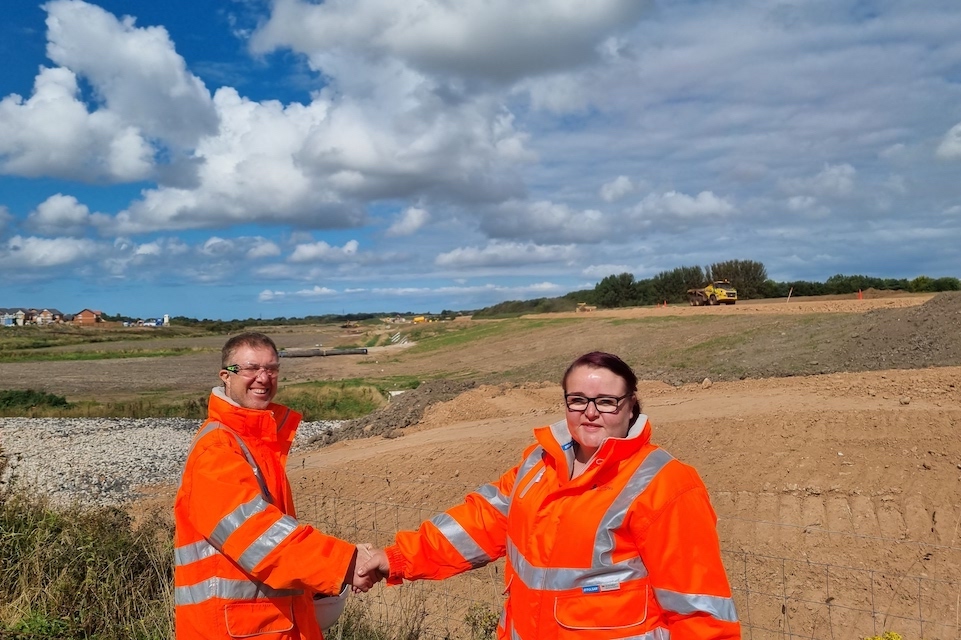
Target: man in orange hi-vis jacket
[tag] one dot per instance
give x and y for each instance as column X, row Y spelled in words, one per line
column 245, row 566
column 605, row 534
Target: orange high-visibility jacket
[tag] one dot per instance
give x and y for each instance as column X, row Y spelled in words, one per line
column 245, row 567
column 628, row 549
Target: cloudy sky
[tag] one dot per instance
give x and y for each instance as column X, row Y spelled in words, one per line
column 247, row 158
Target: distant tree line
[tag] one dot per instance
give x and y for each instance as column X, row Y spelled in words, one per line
column 748, row 277
column 621, row 290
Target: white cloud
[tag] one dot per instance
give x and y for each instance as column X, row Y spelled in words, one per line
column 504, row 254
column 52, row 134
column 59, row 215
column 545, row 221
column 323, row 252
column 263, row 248
column 251, row 248
column 409, row 222
column 672, row 208
column 496, row 40
column 807, row 205
column 833, row 181
column 25, row 253
column 314, row 292
column 503, row 292
column 250, row 172
column 5, row 218
column 604, row 270
column 893, row 151
column 616, row 189
column 270, row 296
column 950, row 147
column 135, row 70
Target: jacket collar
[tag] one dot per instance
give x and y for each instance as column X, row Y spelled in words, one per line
column 275, row 423
column 556, row 440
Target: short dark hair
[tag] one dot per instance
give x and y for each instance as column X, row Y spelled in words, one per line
column 609, row 361
column 248, row 339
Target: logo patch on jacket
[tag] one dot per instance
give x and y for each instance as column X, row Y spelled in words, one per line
column 600, row 588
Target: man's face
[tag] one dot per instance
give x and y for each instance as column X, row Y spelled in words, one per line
column 252, row 389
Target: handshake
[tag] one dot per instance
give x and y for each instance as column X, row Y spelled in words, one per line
column 369, row 567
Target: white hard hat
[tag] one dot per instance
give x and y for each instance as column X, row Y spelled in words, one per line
column 328, row 608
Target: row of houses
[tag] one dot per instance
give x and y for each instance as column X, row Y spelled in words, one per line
column 20, row 316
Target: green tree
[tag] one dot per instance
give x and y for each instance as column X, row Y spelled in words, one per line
column 947, row 284
column 673, row 285
column 747, row 276
column 616, row 291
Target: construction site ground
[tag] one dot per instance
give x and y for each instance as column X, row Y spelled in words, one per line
column 827, row 432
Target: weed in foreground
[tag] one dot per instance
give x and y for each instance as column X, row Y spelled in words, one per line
column 82, row 572
column 481, row 620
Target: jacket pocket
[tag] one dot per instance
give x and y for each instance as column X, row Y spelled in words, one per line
column 259, row 619
column 587, row 609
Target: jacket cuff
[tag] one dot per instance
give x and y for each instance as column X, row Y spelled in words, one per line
column 397, row 564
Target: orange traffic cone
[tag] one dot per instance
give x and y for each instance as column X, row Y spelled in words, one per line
column 860, row 295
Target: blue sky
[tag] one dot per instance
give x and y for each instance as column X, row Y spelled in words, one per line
column 246, row 158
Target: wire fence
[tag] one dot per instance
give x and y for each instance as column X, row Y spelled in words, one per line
column 781, row 591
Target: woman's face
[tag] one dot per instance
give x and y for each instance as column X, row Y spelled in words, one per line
column 589, row 427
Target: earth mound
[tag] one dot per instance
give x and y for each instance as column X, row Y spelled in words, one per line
column 402, row 411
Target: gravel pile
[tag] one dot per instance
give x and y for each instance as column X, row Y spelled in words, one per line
column 104, row 461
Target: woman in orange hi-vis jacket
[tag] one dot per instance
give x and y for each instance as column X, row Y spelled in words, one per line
column 245, row 567
column 605, row 534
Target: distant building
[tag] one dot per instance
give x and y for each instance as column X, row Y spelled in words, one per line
column 12, row 317
column 88, row 317
column 48, row 316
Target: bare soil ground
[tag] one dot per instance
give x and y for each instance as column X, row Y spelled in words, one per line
column 827, row 434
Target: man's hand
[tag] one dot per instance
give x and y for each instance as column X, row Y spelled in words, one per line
column 376, row 566
column 362, row 578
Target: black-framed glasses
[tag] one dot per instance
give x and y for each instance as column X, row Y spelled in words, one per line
column 603, row 404
column 251, row 370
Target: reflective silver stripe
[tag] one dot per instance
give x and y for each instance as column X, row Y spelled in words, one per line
column 537, row 478
column 660, row 633
column 686, row 603
column 258, row 475
column 614, row 518
column 267, row 542
column 228, row 590
column 194, row 552
column 495, row 498
column 461, row 540
column 207, row 429
column 558, row 579
column 233, row 520
column 200, row 434
column 528, row 464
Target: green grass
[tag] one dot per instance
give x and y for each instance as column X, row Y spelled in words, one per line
column 342, row 399
column 67, row 356
column 86, row 573
column 320, row 400
column 437, row 336
column 63, row 335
